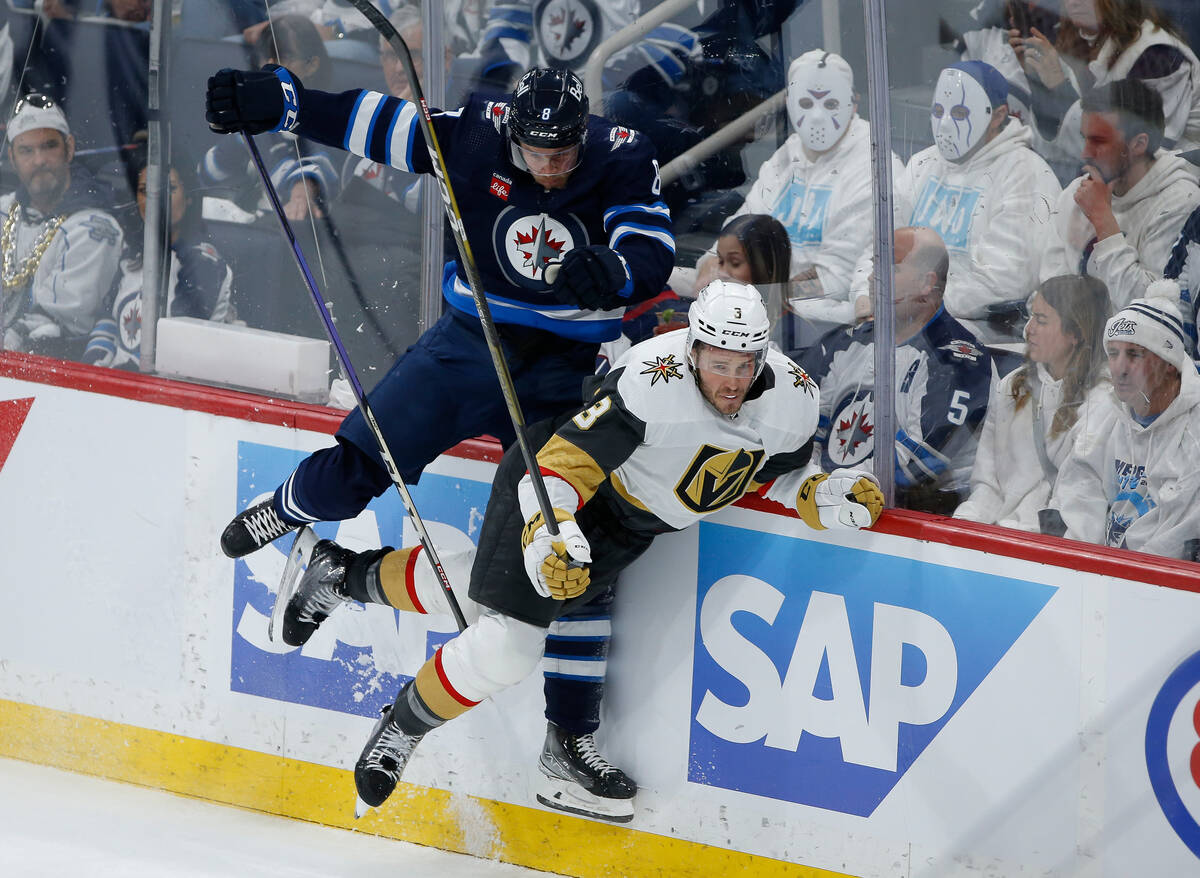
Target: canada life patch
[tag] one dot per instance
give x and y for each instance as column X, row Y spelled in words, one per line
column 500, row 187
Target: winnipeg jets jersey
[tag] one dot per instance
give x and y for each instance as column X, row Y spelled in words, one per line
column 942, row 382
column 515, row 227
column 655, row 451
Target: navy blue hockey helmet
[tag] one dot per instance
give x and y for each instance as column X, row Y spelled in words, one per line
column 548, row 109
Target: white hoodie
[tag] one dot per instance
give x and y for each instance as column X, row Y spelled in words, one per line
column 992, row 210
column 1135, row 487
column 1150, row 215
column 825, row 204
column 1008, row 482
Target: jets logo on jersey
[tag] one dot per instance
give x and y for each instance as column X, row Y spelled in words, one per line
column 662, row 368
column 852, row 431
column 802, row 380
column 526, row 243
column 962, row 350
column 716, row 477
column 567, row 30
column 620, row 135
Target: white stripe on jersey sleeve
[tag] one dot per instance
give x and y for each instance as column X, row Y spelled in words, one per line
column 360, row 122
column 400, row 137
column 656, row 232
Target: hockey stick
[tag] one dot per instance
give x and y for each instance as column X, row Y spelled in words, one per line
column 359, row 396
column 442, row 173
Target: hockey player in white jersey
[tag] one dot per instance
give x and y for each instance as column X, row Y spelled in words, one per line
column 685, row 424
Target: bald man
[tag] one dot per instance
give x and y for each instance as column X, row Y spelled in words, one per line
column 942, row 378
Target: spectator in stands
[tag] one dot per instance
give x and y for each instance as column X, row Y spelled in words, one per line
column 753, row 248
column 942, row 380
column 59, row 246
column 1115, row 39
column 1033, row 409
column 818, row 185
column 1120, row 219
column 293, row 42
column 986, row 194
column 984, row 34
column 301, row 172
column 1131, row 479
column 199, row 282
column 345, row 31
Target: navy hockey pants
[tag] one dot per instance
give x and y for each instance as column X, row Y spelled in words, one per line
column 440, row 392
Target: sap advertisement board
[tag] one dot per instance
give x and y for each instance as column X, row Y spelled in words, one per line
column 861, row 703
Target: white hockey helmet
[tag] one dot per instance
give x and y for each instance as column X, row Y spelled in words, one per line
column 729, row 315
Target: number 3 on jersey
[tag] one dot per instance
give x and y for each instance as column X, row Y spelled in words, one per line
column 590, row 415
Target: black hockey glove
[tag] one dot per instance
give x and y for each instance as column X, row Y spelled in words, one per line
column 592, row 278
column 253, row 101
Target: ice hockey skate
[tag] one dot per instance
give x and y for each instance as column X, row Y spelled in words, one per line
column 253, row 528
column 307, row 600
column 382, row 762
column 577, row 779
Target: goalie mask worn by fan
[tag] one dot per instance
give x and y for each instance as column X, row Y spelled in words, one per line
column 729, row 316
column 548, row 110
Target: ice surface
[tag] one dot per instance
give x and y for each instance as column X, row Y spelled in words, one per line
column 55, row 823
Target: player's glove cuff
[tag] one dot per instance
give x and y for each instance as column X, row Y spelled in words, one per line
column 596, row 278
column 557, row 566
column 845, row 498
column 253, row 101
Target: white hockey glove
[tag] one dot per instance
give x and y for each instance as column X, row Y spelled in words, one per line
column 557, row 566
column 844, row 498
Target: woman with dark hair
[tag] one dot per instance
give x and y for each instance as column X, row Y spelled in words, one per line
column 1101, row 41
column 1034, row 410
column 199, row 281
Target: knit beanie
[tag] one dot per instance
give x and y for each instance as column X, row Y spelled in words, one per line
column 1154, row 323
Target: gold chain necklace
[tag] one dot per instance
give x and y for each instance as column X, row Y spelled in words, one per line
column 14, row 276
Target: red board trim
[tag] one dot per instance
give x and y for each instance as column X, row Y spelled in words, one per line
column 219, row 401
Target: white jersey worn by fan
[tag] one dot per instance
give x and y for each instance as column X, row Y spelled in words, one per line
column 658, row 452
column 73, row 275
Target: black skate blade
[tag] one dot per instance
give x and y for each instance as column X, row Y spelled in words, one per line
column 298, row 558
column 360, row 807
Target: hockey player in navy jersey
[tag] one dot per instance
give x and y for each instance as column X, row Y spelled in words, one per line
column 684, row 424
column 538, row 181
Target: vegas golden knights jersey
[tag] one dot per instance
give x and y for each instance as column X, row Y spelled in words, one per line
column 652, row 448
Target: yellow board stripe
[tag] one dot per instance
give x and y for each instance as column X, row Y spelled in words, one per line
column 526, row 836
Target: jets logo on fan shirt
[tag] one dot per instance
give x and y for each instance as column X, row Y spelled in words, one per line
column 852, row 431
column 963, row 350
column 526, row 243
column 664, row 368
column 567, row 30
column 802, row 380
column 717, row 477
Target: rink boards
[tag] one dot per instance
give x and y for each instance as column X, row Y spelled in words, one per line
column 927, row 699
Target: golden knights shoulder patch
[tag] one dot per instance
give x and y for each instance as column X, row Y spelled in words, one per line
column 801, row 379
column 664, row 368
column 717, row 477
